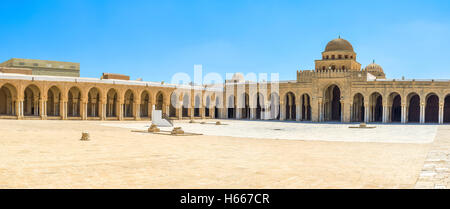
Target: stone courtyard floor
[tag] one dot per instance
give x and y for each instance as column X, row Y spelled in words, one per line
column 242, row 154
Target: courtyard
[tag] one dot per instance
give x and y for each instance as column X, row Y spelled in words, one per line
column 240, row 154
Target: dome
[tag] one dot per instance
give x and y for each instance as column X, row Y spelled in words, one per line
column 239, row 77
column 373, row 67
column 339, row 44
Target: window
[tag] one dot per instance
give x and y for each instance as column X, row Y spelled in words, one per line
column 340, row 56
column 323, row 68
column 343, row 67
column 327, row 57
column 346, row 56
column 333, row 67
column 332, row 57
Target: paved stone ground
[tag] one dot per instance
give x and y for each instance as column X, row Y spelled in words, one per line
column 383, row 133
column 436, row 169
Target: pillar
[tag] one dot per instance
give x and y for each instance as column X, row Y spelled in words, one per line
column 298, row 111
column 366, row 112
column 83, row 110
column 137, row 111
column 403, row 116
column 385, row 114
column 441, row 113
column 282, row 111
column 422, row 112
column 202, row 112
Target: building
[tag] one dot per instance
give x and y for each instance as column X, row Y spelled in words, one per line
column 44, row 67
column 338, row 89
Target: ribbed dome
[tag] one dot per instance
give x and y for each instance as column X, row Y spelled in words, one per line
column 238, row 77
column 339, row 44
column 373, row 67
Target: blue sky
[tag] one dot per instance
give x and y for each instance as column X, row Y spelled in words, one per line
column 155, row 39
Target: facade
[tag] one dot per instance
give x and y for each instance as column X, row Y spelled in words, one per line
column 45, row 67
column 338, row 89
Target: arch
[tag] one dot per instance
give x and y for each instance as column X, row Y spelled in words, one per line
column 432, row 108
column 376, row 107
column 332, row 103
column 395, row 110
column 447, row 109
column 173, row 104
column 306, row 107
column 358, row 109
column 128, row 103
column 111, row 103
column 290, row 110
column 159, row 101
column 73, row 102
column 144, row 105
column 53, row 101
column 186, row 104
column 8, row 99
column 31, row 100
column 413, row 106
column 246, row 109
column 197, row 105
column 259, row 105
column 274, row 108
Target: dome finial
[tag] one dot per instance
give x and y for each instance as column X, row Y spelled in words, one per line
column 339, row 36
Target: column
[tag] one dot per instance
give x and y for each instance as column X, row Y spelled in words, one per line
column 366, row 112
column 403, row 113
column 120, row 112
column 282, row 111
column 180, row 110
column 385, row 108
column 441, row 113
column 202, row 112
column 298, row 111
column 19, row 109
column 212, row 112
column 321, row 113
column 422, row 112
column 238, row 112
column 137, row 111
column 83, row 110
column 42, row 109
column 252, row 113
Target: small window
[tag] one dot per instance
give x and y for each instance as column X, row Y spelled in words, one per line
column 346, row 56
column 323, row 68
column 327, row 57
column 340, row 56
column 333, row 67
column 332, row 57
column 21, row 63
column 351, row 57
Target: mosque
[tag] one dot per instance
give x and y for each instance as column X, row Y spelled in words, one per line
column 338, row 89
